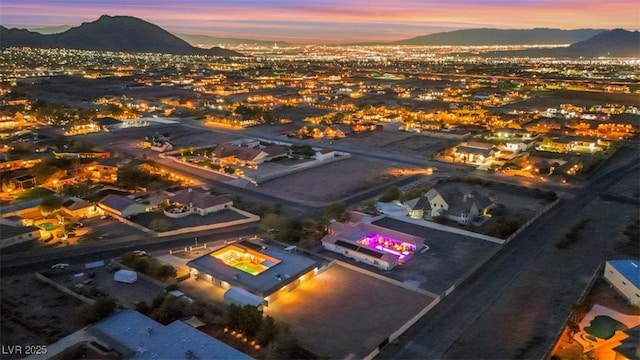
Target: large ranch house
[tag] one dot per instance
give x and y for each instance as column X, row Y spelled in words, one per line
column 247, row 154
column 252, row 272
column 451, row 204
column 195, row 201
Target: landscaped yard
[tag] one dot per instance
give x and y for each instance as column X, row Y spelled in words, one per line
column 34, row 193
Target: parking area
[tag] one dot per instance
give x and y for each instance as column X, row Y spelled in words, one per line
column 100, row 282
column 330, row 316
column 449, row 258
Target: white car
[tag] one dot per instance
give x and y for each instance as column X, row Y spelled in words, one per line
column 140, row 252
column 60, row 266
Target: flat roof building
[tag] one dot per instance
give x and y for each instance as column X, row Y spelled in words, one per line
column 136, row 336
column 262, row 270
column 372, row 244
column 624, row 276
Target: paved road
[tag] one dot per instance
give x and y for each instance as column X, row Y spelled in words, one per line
column 43, row 258
column 515, row 304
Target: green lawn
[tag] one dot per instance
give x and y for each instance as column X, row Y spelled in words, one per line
column 34, row 193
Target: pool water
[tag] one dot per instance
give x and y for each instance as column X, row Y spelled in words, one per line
column 604, row 327
column 48, row 226
column 253, row 269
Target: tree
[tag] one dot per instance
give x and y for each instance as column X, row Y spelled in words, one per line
column 132, row 176
column 267, row 331
column 271, row 222
column 50, row 204
column 304, row 151
column 101, row 308
column 165, row 272
column 416, row 191
column 390, row 194
column 337, row 211
column 77, row 190
column 245, row 318
column 286, row 346
column 159, row 225
column 369, row 207
column 170, row 309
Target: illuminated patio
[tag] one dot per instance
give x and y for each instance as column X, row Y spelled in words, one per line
column 397, row 248
column 247, row 260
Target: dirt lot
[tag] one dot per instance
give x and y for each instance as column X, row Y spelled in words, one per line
column 34, row 312
column 322, row 184
column 335, row 323
column 82, row 91
column 548, row 99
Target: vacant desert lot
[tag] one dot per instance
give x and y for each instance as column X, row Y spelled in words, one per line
column 34, row 312
column 332, row 181
column 342, row 311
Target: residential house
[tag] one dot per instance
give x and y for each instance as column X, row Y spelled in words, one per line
column 515, row 146
column 275, row 152
column 129, row 334
column 159, row 143
column 258, row 272
column 108, row 123
column 121, row 206
column 24, row 182
column 559, row 144
column 80, row 208
column 371, row 244
column 11, row 163
column 474, row 152
column 103, row 170
column 228, row 153
column 14, row 232
column 199, row 201
column 514, row 134
column 452, row 204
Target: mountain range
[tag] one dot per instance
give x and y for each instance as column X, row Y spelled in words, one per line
column 485, row 36
column 129, row 34
column 110, row 33
column 612, row 43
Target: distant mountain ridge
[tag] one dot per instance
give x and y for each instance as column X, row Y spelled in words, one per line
column 486, row 36
column 110, row 33
column 617, row 42
column 612, row 43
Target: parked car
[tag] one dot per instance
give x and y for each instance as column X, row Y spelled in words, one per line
column 60, row 266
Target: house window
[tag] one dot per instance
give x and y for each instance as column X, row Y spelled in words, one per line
column 376, row 262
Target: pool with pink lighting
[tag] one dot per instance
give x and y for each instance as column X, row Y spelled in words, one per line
column 395, row 247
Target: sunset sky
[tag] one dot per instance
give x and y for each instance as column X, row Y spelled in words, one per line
column 329, row 21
